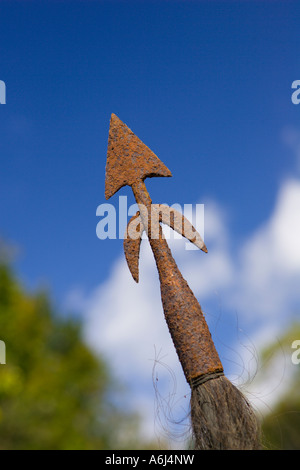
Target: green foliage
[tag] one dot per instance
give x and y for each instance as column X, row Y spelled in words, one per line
column 281, row 427
column 54, row 392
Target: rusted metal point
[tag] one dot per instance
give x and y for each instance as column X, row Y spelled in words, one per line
column 129, row 162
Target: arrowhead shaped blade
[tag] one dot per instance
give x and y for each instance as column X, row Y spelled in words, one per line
column 128, row 159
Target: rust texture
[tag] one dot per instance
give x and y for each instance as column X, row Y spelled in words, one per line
column 159, row 213
column 129, row 159
column 129, row 162
column 132, row 245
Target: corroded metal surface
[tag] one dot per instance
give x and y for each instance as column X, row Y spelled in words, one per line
column 129, row 161
column 177, row 221
column 160, row 213
column 132, row 244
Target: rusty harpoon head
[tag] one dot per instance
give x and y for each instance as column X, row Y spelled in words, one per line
column 128, row 159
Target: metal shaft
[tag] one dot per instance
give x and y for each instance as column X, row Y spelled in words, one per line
column 183, row 314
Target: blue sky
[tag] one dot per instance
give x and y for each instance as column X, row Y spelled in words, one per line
column 206, row 85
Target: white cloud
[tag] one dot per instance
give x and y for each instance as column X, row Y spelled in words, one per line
column 125, row 322
column 268, row 271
